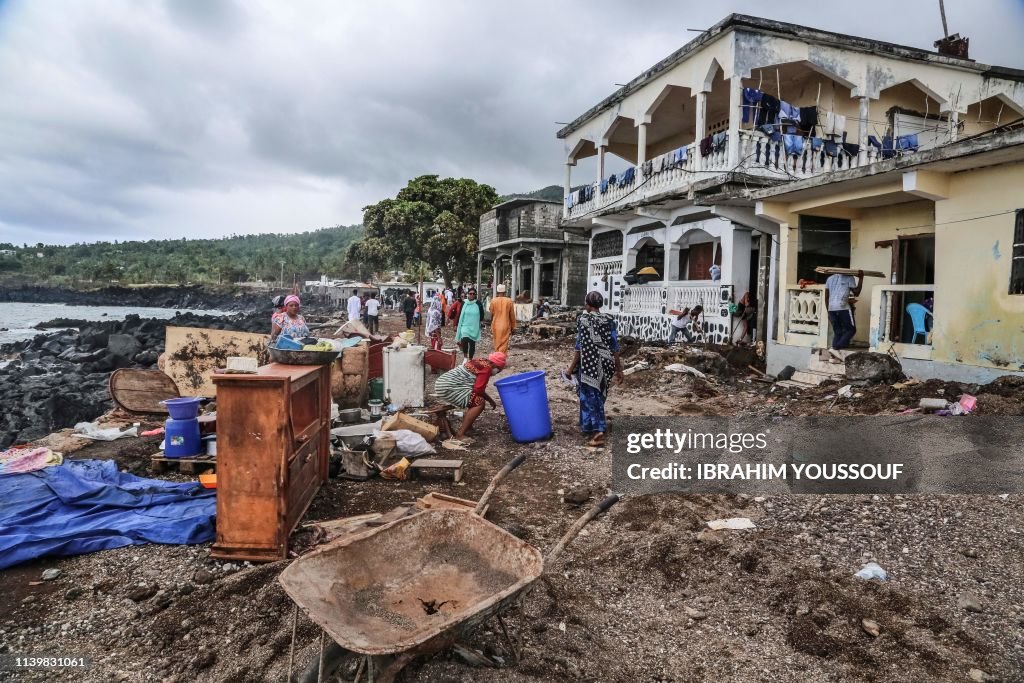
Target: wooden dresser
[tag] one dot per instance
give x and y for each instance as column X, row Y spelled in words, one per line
column 273, row 446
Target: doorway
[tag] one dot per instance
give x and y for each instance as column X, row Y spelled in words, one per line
column 913, row 264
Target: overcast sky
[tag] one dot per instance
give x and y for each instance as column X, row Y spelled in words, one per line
column 135, row 119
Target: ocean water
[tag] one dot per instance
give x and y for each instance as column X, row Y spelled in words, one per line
column 21, row 318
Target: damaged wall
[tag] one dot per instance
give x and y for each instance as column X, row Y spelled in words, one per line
column 976, row 320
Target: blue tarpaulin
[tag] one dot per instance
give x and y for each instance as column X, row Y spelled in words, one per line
column 87, row 505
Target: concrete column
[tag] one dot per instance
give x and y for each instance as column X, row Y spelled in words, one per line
column 479, row 271
column 736, row 244
column 702, row 126
column 735, row 116
column 954, row 125
column 787, row 254
column 772, row 327
column 568, row 181
column 515, row 277
column 864, row 117
column 671, row 271
column 763, row 274
column 535, row 286
column 600, row 163
column 641, row 148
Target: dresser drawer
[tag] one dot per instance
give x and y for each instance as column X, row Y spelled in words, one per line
column 303, row 479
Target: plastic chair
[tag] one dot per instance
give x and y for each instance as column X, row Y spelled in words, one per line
column 918, row 316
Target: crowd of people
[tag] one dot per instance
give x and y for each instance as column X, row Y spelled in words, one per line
column 594, row 366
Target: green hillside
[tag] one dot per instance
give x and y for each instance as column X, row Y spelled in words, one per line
column 232, row 259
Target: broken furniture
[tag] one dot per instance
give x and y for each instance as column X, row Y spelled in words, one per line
column 404, row 376
column 439, row 361
column 422, row 465
column 449, row 572
column 273, row 448
column 192, row 353
column 141, row 391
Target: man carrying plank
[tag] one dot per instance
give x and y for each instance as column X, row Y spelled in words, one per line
column 838, row 290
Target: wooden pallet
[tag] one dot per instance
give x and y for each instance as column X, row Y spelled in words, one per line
column 193, row 465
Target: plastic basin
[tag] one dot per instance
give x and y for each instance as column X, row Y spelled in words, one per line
column 182, row 408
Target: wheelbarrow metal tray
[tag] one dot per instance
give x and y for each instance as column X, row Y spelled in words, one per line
column 413, row 583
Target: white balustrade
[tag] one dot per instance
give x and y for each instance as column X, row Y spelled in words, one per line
column 889, row 308
column 682, row 297
column 805, row 310
column 647, row 299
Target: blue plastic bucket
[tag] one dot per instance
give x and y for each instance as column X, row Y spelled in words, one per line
column 525, row 398
column 182, row 408
column 181, row 438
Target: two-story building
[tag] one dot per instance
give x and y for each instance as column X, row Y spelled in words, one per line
column 523, row 245
column 749, row 104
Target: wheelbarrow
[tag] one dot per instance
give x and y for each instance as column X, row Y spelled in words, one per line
column 415, row 586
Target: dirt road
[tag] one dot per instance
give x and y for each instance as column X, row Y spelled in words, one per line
column 645, row 593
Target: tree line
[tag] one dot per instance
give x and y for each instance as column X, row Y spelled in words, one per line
column 238, row 258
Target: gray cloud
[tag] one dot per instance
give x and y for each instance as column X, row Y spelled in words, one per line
column 129, row 119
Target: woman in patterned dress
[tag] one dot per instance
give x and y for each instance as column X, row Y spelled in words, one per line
column 595, row 363
column 289, row 322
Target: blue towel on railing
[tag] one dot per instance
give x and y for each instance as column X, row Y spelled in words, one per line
column 628, row 177
column 816, row 144
column 788, row 111
column 604, row 186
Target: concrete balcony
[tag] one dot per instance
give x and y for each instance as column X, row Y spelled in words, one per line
column 806, row 316
column 675, row 172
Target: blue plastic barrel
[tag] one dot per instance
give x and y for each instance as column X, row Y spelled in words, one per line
column 525, row 398
column 181, row 438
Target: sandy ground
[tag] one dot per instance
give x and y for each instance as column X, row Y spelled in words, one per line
column 645, row 593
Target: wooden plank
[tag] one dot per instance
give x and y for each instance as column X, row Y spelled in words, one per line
column 193, row 352
column 424, row 464
column 829, row 270
column 140, row 391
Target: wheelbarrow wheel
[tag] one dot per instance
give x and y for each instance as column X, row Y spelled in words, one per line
column 334, row 659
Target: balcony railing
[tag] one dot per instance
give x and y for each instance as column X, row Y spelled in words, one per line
column 893, row 326
column 806, row 316
column 757, row 155
column 660, row 299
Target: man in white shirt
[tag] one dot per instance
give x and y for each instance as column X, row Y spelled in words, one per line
column 838, row 290
column 354, row 304
column 372, row 313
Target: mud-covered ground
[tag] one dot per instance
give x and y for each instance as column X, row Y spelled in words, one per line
column 645, row 593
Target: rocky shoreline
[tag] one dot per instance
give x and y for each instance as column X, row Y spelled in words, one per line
column 57, row 379
column 194, row 297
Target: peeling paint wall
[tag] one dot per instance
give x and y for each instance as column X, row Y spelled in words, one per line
column 976, row 321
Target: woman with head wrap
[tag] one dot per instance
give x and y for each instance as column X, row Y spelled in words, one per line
column 465, row 387
column 435, row 316
column 289, row 322
column 594, row 364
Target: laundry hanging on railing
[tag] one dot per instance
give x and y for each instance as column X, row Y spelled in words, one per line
column 808, row 118
column 604, row 186
column 835, row 124
column 789, row 112
column 718, row 141
column 907, row 143
column 627, row 177
column 706, row 146
column 794, row 145
column 751, row 100
column 769, row 111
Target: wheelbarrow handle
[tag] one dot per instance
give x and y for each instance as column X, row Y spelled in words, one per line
column 607, row 502
column 498, row 478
